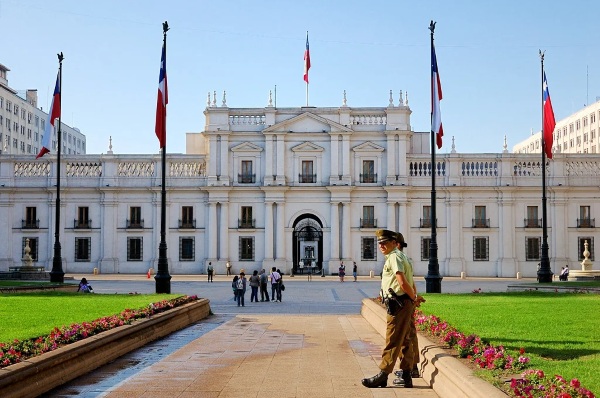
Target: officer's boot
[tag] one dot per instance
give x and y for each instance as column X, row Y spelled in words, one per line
column 405, row 381
column 379, row 380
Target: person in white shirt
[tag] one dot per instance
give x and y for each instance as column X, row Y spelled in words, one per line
column 275, row 292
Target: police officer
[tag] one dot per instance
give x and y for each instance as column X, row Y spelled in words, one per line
column 414, row 343
column 399, row 296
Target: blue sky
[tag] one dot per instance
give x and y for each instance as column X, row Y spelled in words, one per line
column 487, row 58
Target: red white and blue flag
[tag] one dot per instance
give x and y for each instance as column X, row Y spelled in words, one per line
column 549, row 121
column 50, row 125
column 436, row 97
column 162, row 101
column 306, row 60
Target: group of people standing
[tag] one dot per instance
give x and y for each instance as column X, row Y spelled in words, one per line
column 342, row 271
column 258, row 281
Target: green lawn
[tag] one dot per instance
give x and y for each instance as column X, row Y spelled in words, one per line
column 559, row 331
column 11, row 283
column 30, row 315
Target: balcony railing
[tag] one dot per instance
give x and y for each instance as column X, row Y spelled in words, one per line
column 481, row 222
column 82, row 224
column 586, row 223
column 246, row 178
column 368, row 223
column 426, row 222
column 246, row 224
column 30, row 224
column 134, row 224
column 307, row 178
column 187, row 224
column 369, row 178
column 533, row 222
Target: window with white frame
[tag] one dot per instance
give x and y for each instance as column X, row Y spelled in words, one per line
column 246, row 248
column 83, row 247
column 187, row 251
column 367, row 249
column 532, row 248
column 368, row 219
column 425, row 247
column 135, row 248
column 368, row 175
column 481, row 250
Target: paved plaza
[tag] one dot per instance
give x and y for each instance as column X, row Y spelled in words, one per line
column 313, row 344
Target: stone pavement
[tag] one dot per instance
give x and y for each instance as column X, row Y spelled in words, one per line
column 313, row 344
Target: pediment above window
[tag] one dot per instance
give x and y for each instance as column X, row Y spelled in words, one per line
column 246, row 147
column 308, row 147
column 307, row 123
column 368, row 147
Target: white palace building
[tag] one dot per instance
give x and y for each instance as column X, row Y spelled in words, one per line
column 299, row 189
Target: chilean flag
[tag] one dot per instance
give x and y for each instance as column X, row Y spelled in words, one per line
column 306, row 60
column 549, row 121
column 54, row 114
column 436, row 97
column 162, row 100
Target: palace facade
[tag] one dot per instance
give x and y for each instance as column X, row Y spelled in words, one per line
column 300, row 189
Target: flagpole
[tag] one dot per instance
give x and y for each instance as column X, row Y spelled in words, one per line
column 162, row 277
column 57, row 274
column 306, row 93
column 433, row 280
column 544, row 273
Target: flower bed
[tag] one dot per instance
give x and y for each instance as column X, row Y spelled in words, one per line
column 18, row 350
column 39, row 374
column 532, row 384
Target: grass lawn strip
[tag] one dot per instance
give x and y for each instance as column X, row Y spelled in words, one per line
column 557, row 331
column 30, row 315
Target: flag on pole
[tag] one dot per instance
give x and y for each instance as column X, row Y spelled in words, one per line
column 306, row 60
column 162, row 100
column 549, row 121
column 54, row 114
column 436, row 97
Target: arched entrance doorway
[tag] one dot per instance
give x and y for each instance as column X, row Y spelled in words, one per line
column 308, row 244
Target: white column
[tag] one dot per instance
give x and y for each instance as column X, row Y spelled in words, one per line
column 334, row 157
column 268, row 157
column 335, row 233
column 223, row 253
column 224, row 157
column 280, row 156
column 212, row 156
column 390, row 221
column 454, row 238
column 507, row 266
column 391, row 157
column 280, row 231
column 346, row 222
column 346, row 155
column 269, row 231
column 210, row 233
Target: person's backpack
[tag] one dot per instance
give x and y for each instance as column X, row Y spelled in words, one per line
column 240, row 284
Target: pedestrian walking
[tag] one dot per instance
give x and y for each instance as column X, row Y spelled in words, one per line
column 398, row 296
column 228, row 266
column 241, row 288
column 354, row 271
column 264, row 294
column 254, row 285
column 275, row 277
column 209, row 271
